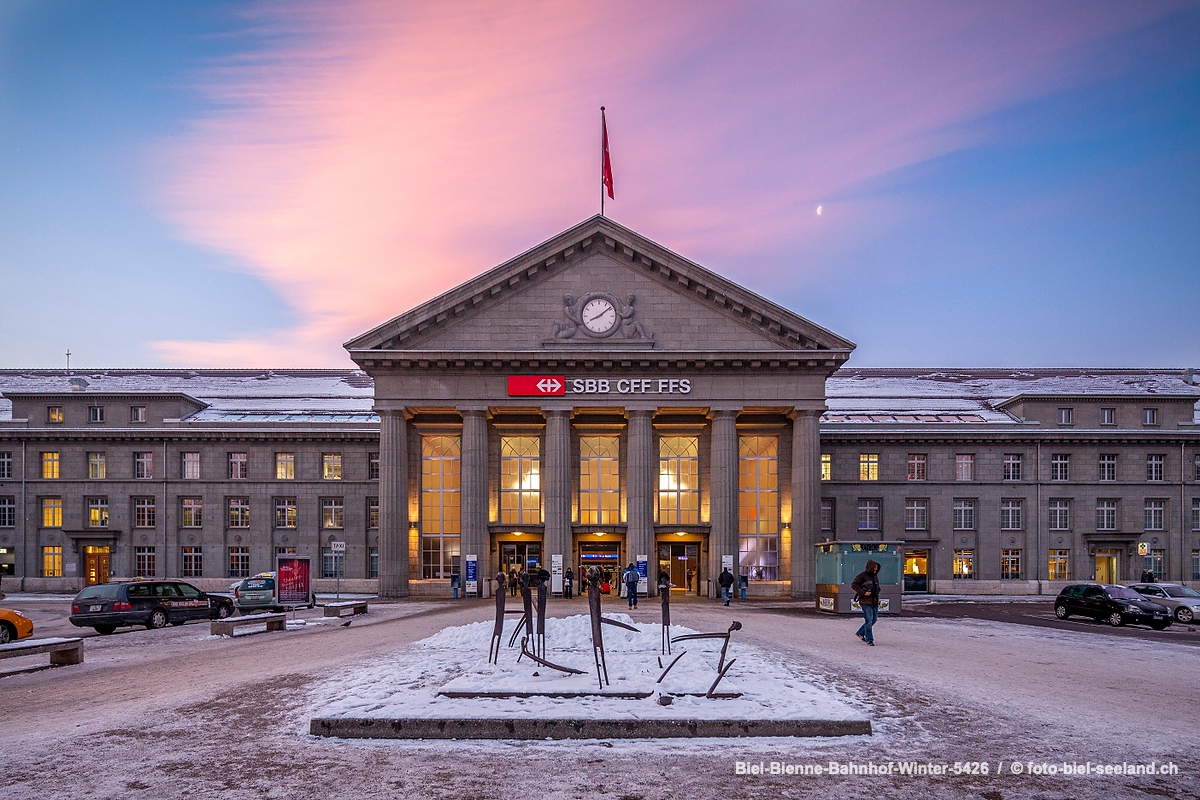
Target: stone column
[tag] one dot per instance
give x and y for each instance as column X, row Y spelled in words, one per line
column 639, row 487
column 473, row 500
column 393, row 502
column 556, row 486
column 723, row 504
column 806, row 498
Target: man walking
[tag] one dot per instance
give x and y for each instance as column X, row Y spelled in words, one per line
column 725, row 580
column 631, row 585
column 866, row 592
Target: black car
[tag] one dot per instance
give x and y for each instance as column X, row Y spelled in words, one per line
column 106, row 606
column 1116, row 605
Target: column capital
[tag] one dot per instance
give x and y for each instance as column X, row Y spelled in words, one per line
column 391, row 408
column 814, row 409
column 472, row 410
column 640, row 411
column 557, row 412
column 723, row 411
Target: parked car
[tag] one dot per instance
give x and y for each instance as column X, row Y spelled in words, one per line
column 1183, row 602
column 107, row 606
column 14, row 625
column 1116, row 605
column 261, row 593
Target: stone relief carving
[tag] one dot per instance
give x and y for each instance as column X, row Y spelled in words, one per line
column 627, row 327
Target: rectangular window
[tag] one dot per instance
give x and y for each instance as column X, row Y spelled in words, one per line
column 1066, row 416
column 1149, row 416
column 1012, row 467
column 239, row 512
column 8, row 512
column 1195, row 464
column 1106, row 515
column 1060, row 515
column 6, row 471
column 1108, row 467
column 97, row 467
column 868, row 515
column 373, row 562
column 1154, row 467
column 520, row 481
column 372, row 466
column 372, row 512
column 916, row 515
column 441, row 481
column 1010, row 515
column 143, row 512
column 97, row 512
column 964, row 563
column 827, row 508
column 1196, row 565
column 678, row 480
column 52, row 562
column 1154, row 562
column 143, row 465
column 964, row 467
column 51, row 512
column 285, row 466
column 331, row 466
column 826, row 466
column 137, row 413
column 192, row 512
column 239, row 562
column 1155, row 511
column 332, row 513
column 964, row 515
column 329, row 563
column 758, row 507
column 239, row 466
column 1196, row 514
column 144, row 559
column 190, row 466
column 54, row 414
column 916, row 467
column 50, row 466
column 1059, row 566
column 1010, row 565
column 192, row 562
column 599, row 480
column 1060, row 467
column 285, row 512
column 95, row 413
column 868, row 466
column 1108, row 416
column 285, row 551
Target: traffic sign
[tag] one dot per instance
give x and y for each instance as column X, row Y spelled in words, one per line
column 536, row 385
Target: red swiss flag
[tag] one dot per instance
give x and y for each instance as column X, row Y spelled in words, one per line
column 536, row 385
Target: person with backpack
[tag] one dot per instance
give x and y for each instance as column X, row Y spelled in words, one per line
column 725, row 581
column 866, row 592
column 631, row 578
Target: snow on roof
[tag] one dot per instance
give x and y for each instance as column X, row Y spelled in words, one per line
column 998, row 385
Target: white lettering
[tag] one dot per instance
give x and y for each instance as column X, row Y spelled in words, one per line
column 672, row 386
column 662, row 386
column 623, row 385
column 603, row 386
column 576, row 386
column 685, row 386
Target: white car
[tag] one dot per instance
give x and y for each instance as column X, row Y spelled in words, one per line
column 1183, row 602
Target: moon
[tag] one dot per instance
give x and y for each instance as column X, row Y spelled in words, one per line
column 819, row 210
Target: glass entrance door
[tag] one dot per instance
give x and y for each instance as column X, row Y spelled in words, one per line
column 95, row 565
column 681, row 560
column 518, row 556
column 1106, row 566
column 916, row 571
column 604, row 555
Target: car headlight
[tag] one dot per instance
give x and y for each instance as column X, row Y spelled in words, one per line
column 18, row 613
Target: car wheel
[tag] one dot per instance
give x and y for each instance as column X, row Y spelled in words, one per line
column 224, row 611
column 7, row 634
column 104, row 630
column 1184, row 614
column 1061, row 612
column 1159, row 626
column 1115, row 619
column 158, row 619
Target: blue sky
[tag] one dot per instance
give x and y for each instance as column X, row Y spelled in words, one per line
column 224, row 184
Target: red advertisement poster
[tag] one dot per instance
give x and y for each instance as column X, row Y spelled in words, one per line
column 295, row 580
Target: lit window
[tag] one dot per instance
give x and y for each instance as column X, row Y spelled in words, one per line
column 97, row 468
column 192, row 562
column 143, row 465
column 52, row 562
column 826, row 466
column 916, row 468
column 868, row 466
column 54, row 414
column 1058, row 569
column 239, row 512
column 520, row 481
column 192, row 515
column 372, row 512
column 51, row 512
column 441, row 475
column 331, row 466
column 238, row 466
column 678, row 480
column 1154, row 562
column 964, row 515
column 1060, row 515
column 758, row 507
column 50, row 466
column 372, row 466
column 285, row 466
column 285, row 512
column 332, row 513
column 1010, row 565
column 599, row 480
column 97, row 512
column 964, row 563
column 191, row 466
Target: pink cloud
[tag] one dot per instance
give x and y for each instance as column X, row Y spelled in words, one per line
column 389, row 151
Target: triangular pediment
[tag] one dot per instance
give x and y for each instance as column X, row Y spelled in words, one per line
column 599, row 287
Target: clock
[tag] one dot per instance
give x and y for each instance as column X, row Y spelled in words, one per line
column 599, row 316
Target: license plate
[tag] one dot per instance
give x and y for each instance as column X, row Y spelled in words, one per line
column 96, row 608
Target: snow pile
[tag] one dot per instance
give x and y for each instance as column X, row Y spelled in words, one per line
column 406, row 686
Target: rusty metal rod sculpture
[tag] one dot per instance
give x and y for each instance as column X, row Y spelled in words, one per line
column 664, row 591
column 712, row 690
column 597, row 632
column 545, row 663
column 682, row 653
column 539, row 643
column 617, row 624
column 498, row 631
column 735, row 626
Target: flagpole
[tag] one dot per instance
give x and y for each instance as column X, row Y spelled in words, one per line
column 602, row 161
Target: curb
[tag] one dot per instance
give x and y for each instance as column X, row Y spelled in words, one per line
column 378, row 728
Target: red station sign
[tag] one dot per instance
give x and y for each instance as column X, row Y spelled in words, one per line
column 536, row 385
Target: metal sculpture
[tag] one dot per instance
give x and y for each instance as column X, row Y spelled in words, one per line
column 664, row 591
column 617, row 624
column 735, row 626
column 542, row 592
column 597, row 632
column 682, row 653
column 545, row 663
column 498, row 630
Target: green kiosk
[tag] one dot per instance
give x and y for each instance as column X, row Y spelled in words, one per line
column 839, row 562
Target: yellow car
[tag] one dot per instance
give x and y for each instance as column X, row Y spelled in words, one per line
column 14, row 625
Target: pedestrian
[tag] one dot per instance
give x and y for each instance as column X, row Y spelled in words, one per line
column 568, row 578
column 725, row 580
column 866, row 592
column 1147, row 576
column 512, row 582
column 691, row 573
column 631, row 584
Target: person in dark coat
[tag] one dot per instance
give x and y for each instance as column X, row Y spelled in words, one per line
column 512, row 582
column 1147, row 576
column 631, row 578
column 568, row 579
column 866, row 592
column 725, row 581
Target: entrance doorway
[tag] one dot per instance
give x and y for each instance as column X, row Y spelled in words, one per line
column 517, row 556
column 1106, row 566
column 681, row 560
column 95, row 565
column 606, row 556
column 916, row 571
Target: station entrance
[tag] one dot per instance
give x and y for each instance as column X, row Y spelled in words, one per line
column 681, row 560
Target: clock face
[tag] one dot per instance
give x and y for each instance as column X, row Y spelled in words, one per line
column 599, row 315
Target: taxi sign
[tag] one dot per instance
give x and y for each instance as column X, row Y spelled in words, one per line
column 337, row 547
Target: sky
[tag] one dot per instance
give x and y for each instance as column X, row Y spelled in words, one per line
column 219, row 184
